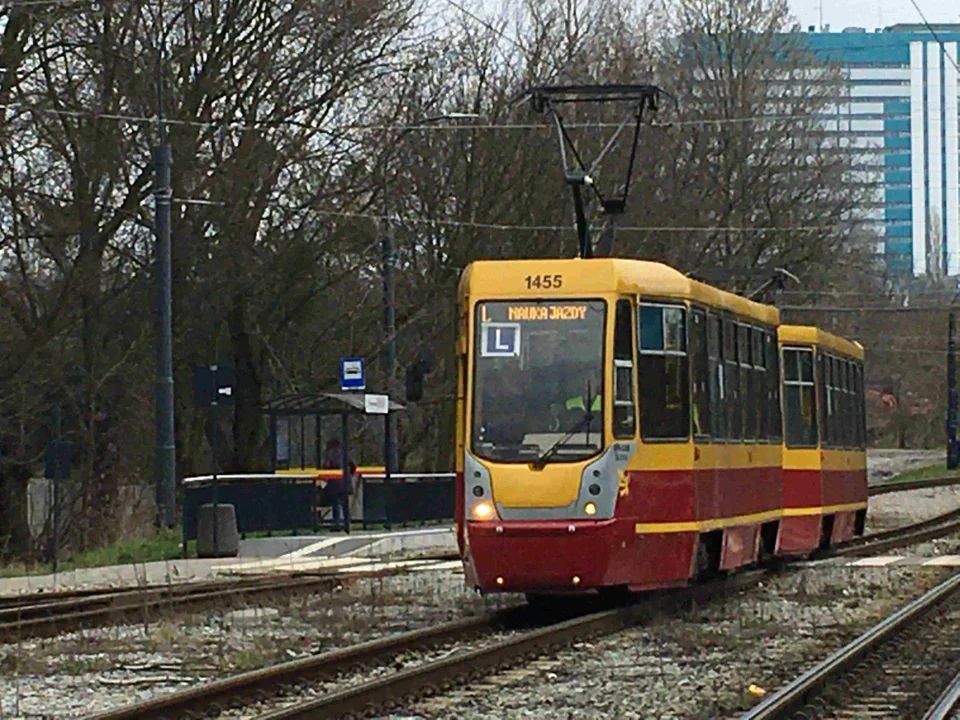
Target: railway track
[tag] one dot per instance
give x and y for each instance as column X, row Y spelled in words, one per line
column 39, row 615
column 903, row 486
column 936, row 527
column 54, row 614
column 947, row 706
column 499, row 641
column 897, row 669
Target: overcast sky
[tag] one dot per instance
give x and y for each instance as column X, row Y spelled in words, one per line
column 871, row 14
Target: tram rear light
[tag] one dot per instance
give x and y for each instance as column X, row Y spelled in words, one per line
column 590, row 508
column 483, row 510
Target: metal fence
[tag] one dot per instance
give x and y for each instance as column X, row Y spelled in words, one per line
column 297, row 503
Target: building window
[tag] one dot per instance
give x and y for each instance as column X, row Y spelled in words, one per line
column 799, row 397
column 664, row 381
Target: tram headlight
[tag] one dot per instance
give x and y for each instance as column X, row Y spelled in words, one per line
column 483, row 510
column 590, row 508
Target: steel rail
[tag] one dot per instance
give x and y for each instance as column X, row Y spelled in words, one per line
column 34, row 606
column 905, row 485
column 198, row 700
column 37, row 598
column 940, row 526
column 132, row 607
column 404, row 686
column 793, row 695
column 360, row 697
column 56, row 619
column 948, row 704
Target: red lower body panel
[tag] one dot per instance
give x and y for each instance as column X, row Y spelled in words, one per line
column 545, row 556
column 819, row 492
column 799, row 535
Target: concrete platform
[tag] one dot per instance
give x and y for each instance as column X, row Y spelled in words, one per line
column 368, row 550
column 360, row 551
column 162, row 572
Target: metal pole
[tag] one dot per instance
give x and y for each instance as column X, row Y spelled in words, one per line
column 387, row 445
column 57, row 458
column 164, row 466
column 389, row 320
column 215, row 412
column 389, row 323
column 952, row 454
column 165, row 456
column 345, row 463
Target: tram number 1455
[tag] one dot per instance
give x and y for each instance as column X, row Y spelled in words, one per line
column 544, row 281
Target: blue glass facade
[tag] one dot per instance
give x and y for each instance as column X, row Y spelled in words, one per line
column 899, row 110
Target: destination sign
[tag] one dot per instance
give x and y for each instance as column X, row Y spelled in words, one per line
column 546, row 312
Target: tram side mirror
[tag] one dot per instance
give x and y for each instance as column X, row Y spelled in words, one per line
column 422, row 366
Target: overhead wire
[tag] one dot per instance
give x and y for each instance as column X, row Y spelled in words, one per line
column 489, row 26
column 934, row 33
column 228, row 124
column 400, row 219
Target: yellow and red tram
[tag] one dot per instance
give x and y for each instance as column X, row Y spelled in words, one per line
column 618, row 426
column 824, row 456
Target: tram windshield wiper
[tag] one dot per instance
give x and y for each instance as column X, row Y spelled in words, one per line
column 585, row 421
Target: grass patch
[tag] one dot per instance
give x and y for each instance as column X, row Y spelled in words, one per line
column 925, row 473
column 163, row 544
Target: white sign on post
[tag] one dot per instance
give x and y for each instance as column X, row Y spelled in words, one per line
column 376, row 404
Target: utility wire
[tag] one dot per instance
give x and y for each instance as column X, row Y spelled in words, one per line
column 934, row 33
column 427, row 127
column 486, row 24
column 541, row 228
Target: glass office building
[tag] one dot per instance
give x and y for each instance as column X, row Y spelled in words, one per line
column 899, row 115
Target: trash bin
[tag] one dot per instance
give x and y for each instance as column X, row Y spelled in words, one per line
column 228, row 538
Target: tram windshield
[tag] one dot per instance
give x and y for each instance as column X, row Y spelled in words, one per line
column 538, row 380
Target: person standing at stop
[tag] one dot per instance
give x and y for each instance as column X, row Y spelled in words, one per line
column 339, row 489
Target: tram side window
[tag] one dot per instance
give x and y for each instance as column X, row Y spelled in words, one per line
column 774, row 419
column 747, row 389
column 664, row 373
column 841, row 383
column 799, row 406
column 731, row 380
column 717, row 393
column 830, row 408
column 836, row 408
column 760, row 399
column 624, row 412
column 850, row 422
column 701, row 373
column 861, row 410
column 822, row 365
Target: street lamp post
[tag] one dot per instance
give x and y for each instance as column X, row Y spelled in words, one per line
column 165, row 454
column 389, row 316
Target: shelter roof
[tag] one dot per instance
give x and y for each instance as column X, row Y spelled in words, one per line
column 320, row 403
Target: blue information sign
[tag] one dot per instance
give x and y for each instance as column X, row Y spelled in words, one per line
column 352, row 375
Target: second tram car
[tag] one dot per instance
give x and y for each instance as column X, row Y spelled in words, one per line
column 824, row 454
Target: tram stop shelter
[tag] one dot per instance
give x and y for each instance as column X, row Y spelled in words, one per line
column 293, row 496
column 298, row 425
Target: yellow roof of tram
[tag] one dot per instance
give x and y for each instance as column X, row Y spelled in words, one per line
column 508, row 279
column 810, row 335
